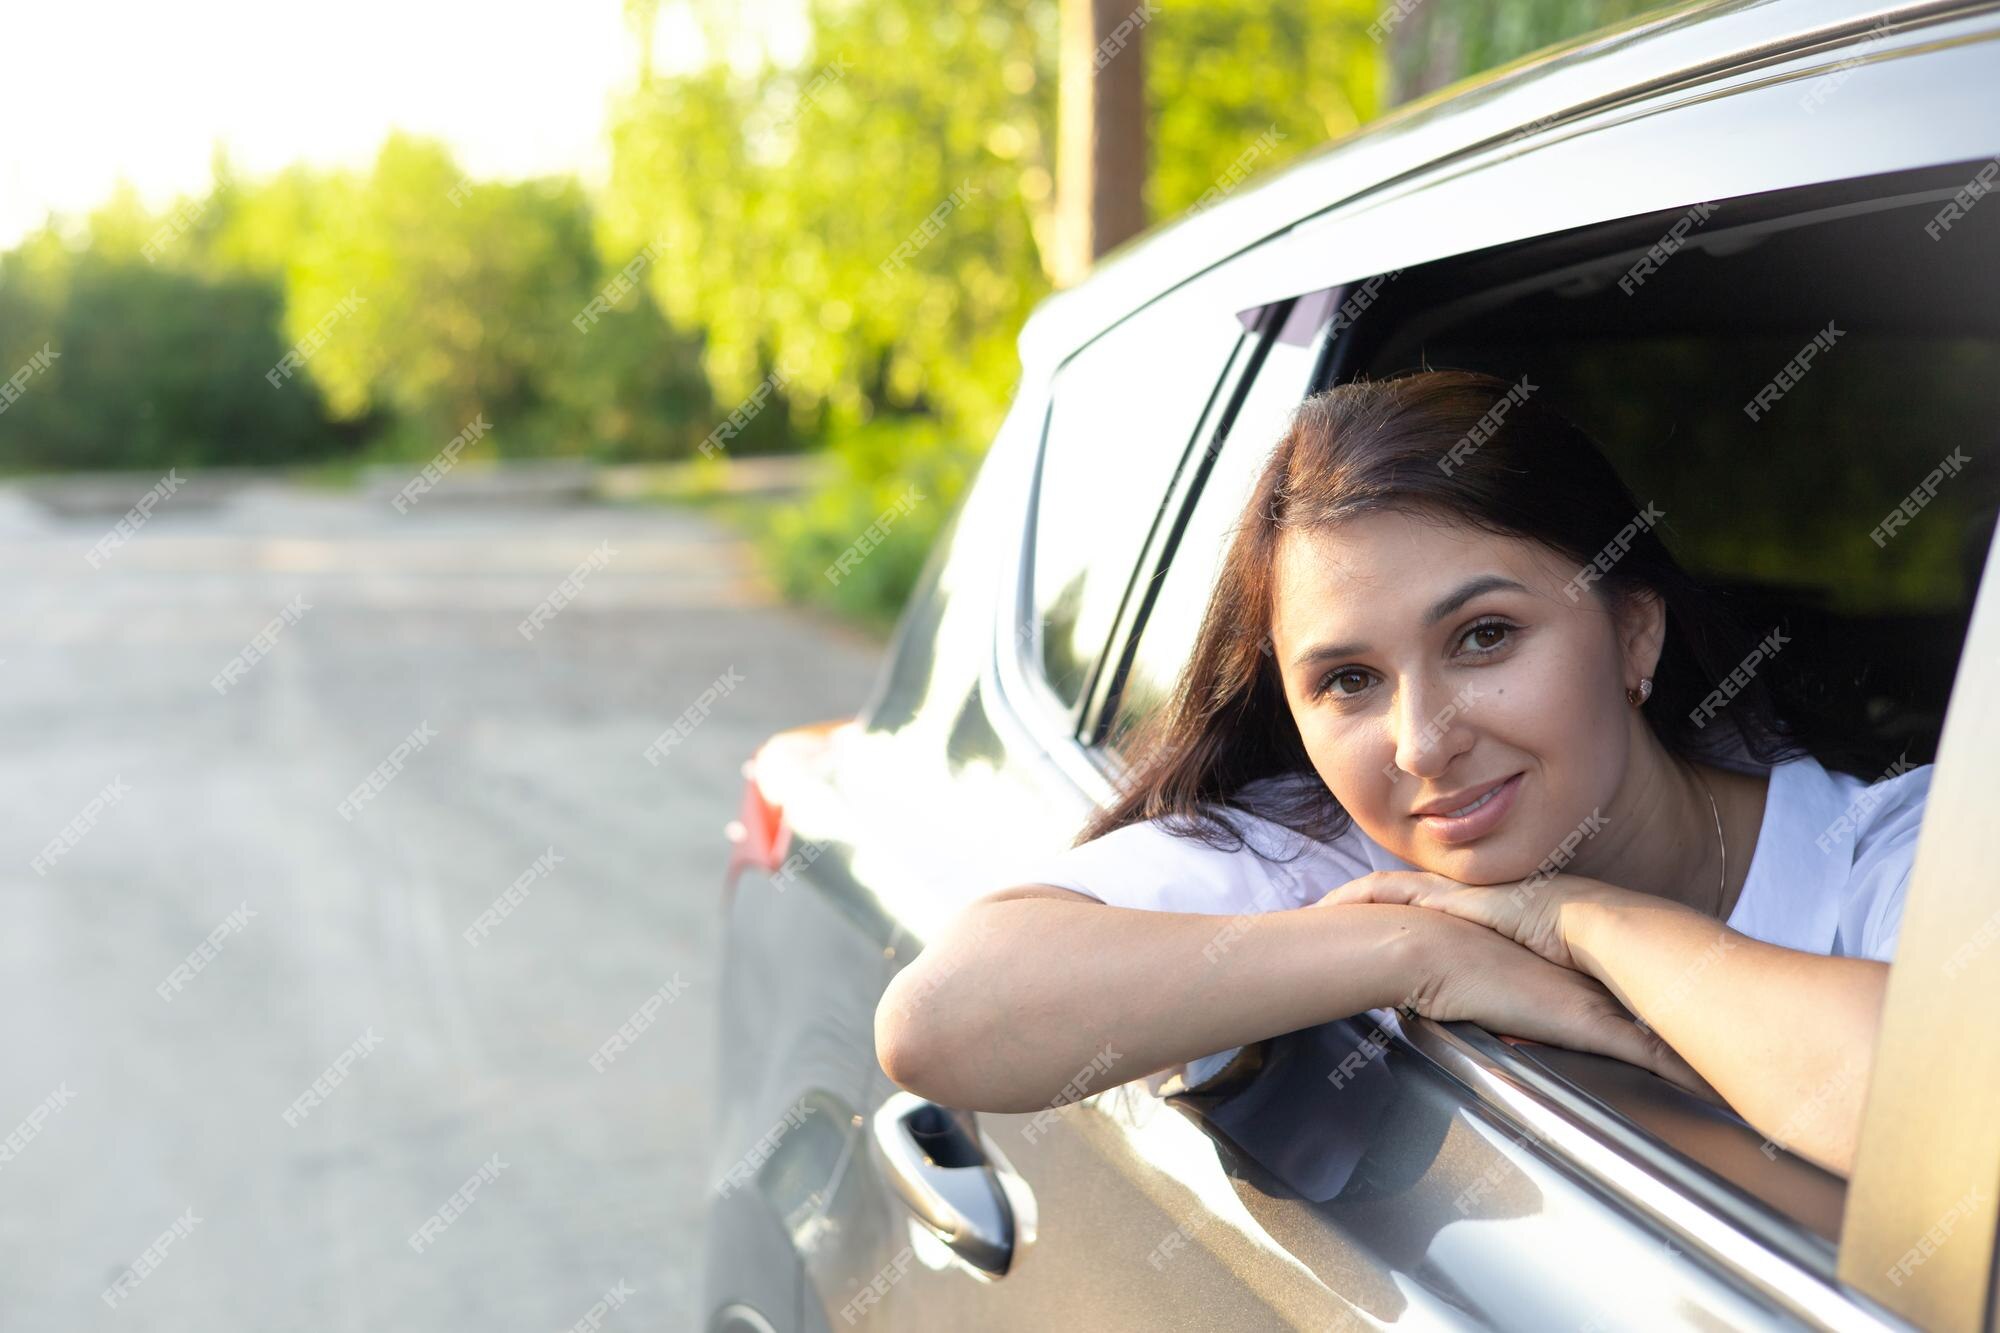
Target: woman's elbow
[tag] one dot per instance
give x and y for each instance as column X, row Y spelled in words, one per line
column 941, row 1023
column 930, row 1040
column 906, row 1037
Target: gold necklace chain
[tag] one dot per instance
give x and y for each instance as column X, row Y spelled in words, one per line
column 1722, row 883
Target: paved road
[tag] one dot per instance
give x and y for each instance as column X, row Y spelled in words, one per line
column 153, row 1102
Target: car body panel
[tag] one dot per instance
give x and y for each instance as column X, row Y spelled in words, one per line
column 1921, row 1223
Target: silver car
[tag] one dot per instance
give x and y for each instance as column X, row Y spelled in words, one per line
column 1652, row 223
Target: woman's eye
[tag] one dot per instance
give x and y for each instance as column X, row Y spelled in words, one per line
column 1488, row 636
column 1347, row 680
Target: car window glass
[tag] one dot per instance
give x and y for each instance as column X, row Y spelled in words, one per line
column 1166, row 640
column 1124, row 410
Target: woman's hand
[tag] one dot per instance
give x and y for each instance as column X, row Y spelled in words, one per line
column 1464, row 970
column 1530, row 912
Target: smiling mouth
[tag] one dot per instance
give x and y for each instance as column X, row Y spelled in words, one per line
column 1468, row 809
column 1477, row 818
column 1469, row 806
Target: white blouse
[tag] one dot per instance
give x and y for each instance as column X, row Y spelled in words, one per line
column 1828, row 874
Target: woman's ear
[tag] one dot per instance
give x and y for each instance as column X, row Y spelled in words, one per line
column 1641, row 618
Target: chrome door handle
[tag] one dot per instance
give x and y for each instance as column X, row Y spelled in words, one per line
column 937, row 1165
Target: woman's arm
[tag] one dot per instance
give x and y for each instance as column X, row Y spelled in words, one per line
column 1029, row 988
column 1786, row 1037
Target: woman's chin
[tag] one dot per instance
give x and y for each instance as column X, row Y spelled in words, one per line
column 1472, row 866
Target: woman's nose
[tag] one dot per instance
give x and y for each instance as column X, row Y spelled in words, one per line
column 1429, row 730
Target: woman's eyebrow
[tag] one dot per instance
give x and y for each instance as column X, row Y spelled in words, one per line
column 1468, row 590
column 1439, row 609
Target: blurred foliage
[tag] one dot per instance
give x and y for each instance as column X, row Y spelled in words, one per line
column 418, row 299
column 863, row 222
column 783, row 194
column 1435, row 44
column 874, row 220
column 138, row 355
column 1220, row 75
column 891, row 470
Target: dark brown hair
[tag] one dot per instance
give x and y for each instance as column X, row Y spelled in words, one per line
column 1427, row 442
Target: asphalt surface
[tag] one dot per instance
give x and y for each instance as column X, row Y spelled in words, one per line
column 196, row 929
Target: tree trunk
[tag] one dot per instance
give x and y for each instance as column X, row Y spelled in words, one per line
column 1101, row 147
column 1424, row 51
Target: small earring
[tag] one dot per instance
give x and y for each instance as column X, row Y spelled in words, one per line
column 1638, row 697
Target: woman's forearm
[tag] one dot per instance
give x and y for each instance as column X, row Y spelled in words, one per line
column 1786, row 1037
column 1023, row 993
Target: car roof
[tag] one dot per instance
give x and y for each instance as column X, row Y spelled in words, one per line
column 1679, row 47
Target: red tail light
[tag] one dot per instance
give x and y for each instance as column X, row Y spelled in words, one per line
column 791, row 766
column 758, row 835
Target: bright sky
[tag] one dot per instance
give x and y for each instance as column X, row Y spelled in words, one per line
column 136, row 89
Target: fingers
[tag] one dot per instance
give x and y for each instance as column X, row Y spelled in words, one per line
column 1370, row 888
column 1661, row 1058
column 1605, row 1033
column 1410, row 888
column 1506, row 988
column 1682, row 1074
column 1585, row 1016
column 1623, row 1038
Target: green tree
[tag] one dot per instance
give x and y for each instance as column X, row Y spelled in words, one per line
column 319, row 313
column 876, row 219
column 153, row 368
column 442, row 299
column 793, row 202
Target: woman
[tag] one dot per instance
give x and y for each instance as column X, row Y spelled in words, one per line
column 1459, row 735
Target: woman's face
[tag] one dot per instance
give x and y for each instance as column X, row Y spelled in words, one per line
column 1429, row 664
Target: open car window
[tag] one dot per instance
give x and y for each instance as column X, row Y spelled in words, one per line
column 1800, row 493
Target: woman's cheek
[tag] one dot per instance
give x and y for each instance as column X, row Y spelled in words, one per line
column 1551, row 711
column 1356, row 763
column 1538, row 701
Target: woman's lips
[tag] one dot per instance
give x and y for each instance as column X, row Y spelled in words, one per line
column 1478, row 823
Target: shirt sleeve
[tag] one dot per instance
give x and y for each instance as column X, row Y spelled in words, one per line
column 1885, row 851
column 1142, row 865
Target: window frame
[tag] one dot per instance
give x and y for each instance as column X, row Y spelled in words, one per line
column 1302, row 320
column 1107, row 686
